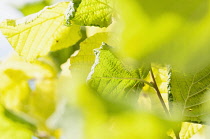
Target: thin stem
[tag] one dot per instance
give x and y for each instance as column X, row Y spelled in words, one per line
column 160, row 98
column 158, row 93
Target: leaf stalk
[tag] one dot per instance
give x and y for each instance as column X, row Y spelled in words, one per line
column 154, row 85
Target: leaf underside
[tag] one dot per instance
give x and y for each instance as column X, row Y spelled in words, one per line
column 189, row 94
column 109, row 76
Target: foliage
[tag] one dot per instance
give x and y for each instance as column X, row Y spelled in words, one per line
column 101, row 69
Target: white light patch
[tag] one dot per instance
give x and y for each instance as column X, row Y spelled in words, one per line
column 6, row 12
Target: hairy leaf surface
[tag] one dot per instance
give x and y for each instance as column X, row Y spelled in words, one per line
column 90, row 13
column 188, row 94
column 37, row 34
column 110, row 76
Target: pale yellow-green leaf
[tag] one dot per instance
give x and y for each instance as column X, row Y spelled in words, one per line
column 82, row 62
column 166, row 31
column 161, row 77
column 14, row 128
column 37, row 69
column 65, row 71
column 90, row 13
column 112, row 77
column 14, row 89
column 91, row 30
column 189, row 129
column 28, row 88
column 95, row 116
column 188, row 94
column 37, row 34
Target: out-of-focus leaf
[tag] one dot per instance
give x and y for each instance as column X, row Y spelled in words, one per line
column 37, row 34
column 99, row 117
column 28, row 88
column 166, row 31
column 92, row 30
column 188, row 94
column 14, row 127
column 110, row 76
column 90, row 13
column 30, row 8
column 189, row 129
column 82, row 62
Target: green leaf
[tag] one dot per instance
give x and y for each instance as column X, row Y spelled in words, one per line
column 28, row 88
column 188, row 94
column 166, row 31
column 82, row 62
column 189, row 129
column 37, row 34
column 93, row 116
column 90, row 13
column 110, row 76
column 13, row 126
column 61, row 56
column 161, row 76
column 30, row 8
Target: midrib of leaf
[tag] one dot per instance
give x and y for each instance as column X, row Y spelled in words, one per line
column 30, row 27
column 124, row 78
column 111, row 76
column 37, row 34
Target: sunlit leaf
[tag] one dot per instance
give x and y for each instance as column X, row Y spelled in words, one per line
column 188, row 94
column 14, row 127
column 28, row 88
column 110, row 76
column 93, row 116
column 30, row 8
column 189, row 129
column 82, row 62
column 99, row 116
column 37, row 34
column 161, row 74
column 90, row 13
